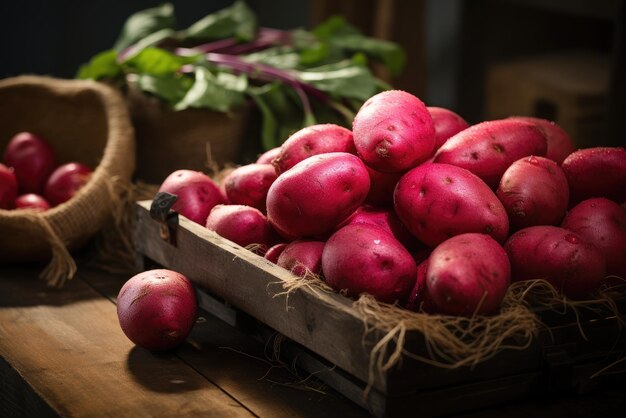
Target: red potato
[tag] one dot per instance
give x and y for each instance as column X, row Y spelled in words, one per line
column 275, row 251
column 596, row 172
column 65, row 181
column 197, row 194
column 364, row 258
column 317, row 194
column 439, row 201
column 243, row 225
column 157, row 309
column 8, row 187
column 417, row 297
column 33, row 160
column 560, row 144
column 248, row 185
column 447, row 124
column 393, row 131
column 601, row 222
column 572, row 265
column 385, row 219
column 313, row 140
column 301, row 257
column 468, row 274
column 489, row 148
column 31, row 201
column 534, row 191
column 382, row 186
column 268, row 156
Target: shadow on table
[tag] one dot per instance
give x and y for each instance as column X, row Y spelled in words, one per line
column 161, row 372
column 20, row 286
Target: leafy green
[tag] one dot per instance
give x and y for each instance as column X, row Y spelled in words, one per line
column 337, row 37
column 101, row 66
column 295, row 78
column 144, row 23
column 150, row 40
column 222, row 92
column 343, row 79
column 236, row 21
column 157, row 61
column 170, row 87
column 386, row 52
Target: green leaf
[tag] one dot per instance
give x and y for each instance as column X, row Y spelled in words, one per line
column 157, row 61
column 337, row 33
column 388, row 53
column 144, row 23
column 237, row 21
column 281, row 112
column 169, row 87
column 343, row 79
column 221, row 93
column 150, row 40
column 282, row 57
column 268, row 122
column 102, row 65
column 334, row 26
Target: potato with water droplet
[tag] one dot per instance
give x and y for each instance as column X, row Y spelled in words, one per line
column 534, row 191
column 393, row 131
column 364, row 258
column 467, row 274
column 570, row 263
column 487, row 149
column 157, row 309
column 439, row 201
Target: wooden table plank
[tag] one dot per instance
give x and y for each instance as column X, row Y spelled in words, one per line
column 244, row 368
column 67, row 344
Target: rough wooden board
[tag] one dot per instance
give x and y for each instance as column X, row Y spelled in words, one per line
column 68, row 346
column 243, row 367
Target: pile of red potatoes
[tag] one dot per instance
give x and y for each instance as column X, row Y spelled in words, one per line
column 32, row 178
column 417, row 208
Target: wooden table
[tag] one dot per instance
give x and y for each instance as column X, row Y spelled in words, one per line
column 63, row 353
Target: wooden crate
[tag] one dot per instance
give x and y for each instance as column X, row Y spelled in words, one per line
column 326, row 334
column 570, row 88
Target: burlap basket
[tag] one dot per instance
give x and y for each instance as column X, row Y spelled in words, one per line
column 84, row 121
column 169, row 140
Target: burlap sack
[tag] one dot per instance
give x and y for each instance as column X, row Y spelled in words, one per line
column 169, row 140
column 84, row 121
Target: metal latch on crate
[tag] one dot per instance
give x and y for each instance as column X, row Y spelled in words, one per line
column 161, row 211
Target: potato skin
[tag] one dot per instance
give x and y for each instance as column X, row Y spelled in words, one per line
column 534, row 191
column 317, row 194
column 197, row 194
column 386, row 219
column 487, row 149
column 560, row 144
column 596, row 172
column 302, row 256
column 243, row 225
column 601, row 222
column 274, row 252
column 467, row 274
column 382, row 186
column 248, row 185
column 393, row 131
column 313, row 140
column 447, row 124
column 363, row 258
column 268, row 156
column 156, row 309
column 439, row 201
column 572, row 265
